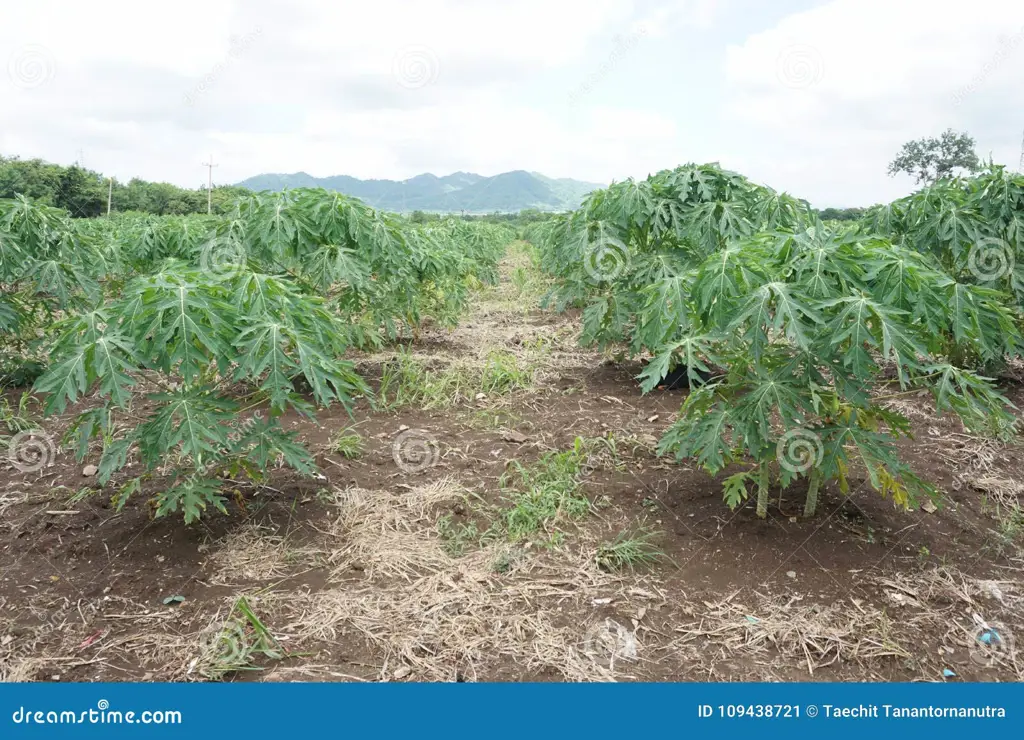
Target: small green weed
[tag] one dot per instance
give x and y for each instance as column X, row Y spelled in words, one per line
column 546, row 490
column 241, row 639
column 458, row 537
column 407, row 381
column 628, row 550
column 349, row 444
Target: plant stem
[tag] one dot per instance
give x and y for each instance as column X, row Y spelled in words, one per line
column 762, row 492
column 811, row 504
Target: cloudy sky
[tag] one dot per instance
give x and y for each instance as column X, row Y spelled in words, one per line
column 811, row 97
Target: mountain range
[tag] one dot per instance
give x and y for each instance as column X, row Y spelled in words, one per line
column 460, row 191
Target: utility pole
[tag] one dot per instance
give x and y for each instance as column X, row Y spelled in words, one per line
column 1020, row 167
column 81, row 159
column 209, row 184
column 110, row 193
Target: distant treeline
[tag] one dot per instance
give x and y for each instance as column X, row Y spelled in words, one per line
column 83, row 192
column 840, row 214
column 526, row 216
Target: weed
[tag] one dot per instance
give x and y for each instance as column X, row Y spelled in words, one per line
column 495, row 419
column 349, row 444
column 548, row 489
column 1011, row 527
column 553, row 541
column 503, row 374
column 16, row 420
column 407, row 381
column 236, row 645
column 80, row 495
column 507, row 560
column 457, row 536
column 628, row 550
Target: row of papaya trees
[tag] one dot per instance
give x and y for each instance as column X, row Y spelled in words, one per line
column 797, row 335
column 213, row 317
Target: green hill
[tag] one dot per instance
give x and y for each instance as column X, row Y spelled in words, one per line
column 460, row 191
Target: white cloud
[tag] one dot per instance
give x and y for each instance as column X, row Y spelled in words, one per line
column 817, row 103
column 478, row 136
column 383, row 89
column 833, row 92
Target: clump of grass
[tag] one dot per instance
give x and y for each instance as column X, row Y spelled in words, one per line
column 407, row 381
column 503, row 374
column 16, row 420
column 494, row 419
column 547, row 490
column 237, row 643
column 1010, row 535
column 527, row 280
column 80, row 495
column 349, row 444
column 628, row 550
column 507, row 559
column 457, row 537
column 1002, row 500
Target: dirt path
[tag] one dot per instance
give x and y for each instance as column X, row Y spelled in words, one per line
column 433, row 551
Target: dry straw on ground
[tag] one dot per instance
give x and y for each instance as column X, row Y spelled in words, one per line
column 446, row 618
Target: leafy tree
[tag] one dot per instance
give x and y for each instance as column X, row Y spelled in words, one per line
column 808, row 324
column 931, row 159
column 83, row 193
column 80, row 192
column 971, row 227
column 840, row 214
column 32, row 178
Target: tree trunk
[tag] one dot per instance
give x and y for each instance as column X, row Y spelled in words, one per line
column 811, row 504
column 762, row 492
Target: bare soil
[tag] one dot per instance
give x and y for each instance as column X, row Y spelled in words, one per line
column 355, row 578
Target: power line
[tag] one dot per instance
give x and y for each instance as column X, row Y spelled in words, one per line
column 209, row 184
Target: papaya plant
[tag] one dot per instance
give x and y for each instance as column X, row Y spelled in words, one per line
column 45, row 268
column 187, row 338
column 972, row 226
column 627, row 255
column 814, row 348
